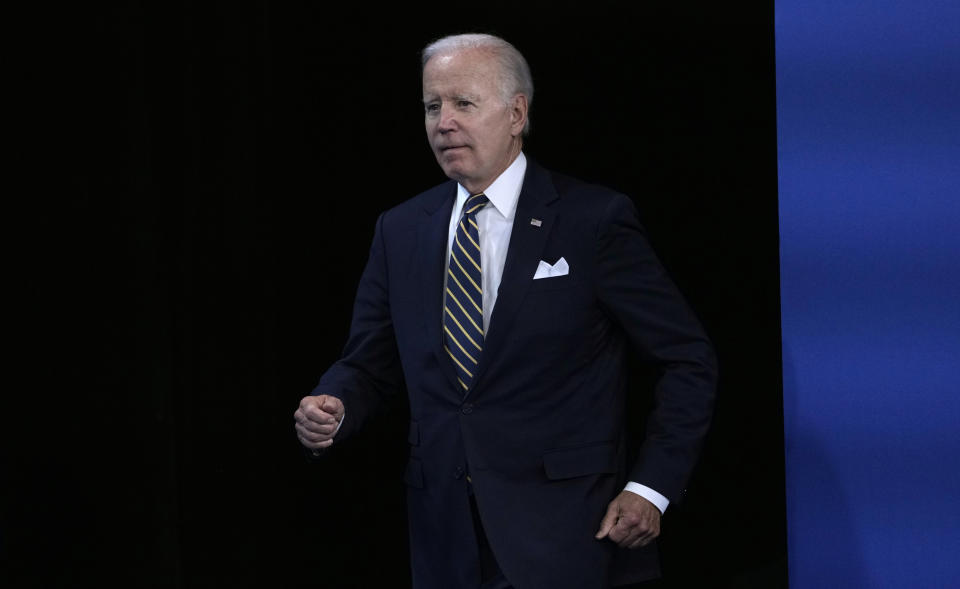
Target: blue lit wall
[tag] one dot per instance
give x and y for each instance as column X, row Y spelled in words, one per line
column 868, row 100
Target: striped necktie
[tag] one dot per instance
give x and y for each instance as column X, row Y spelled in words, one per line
column 463, row 303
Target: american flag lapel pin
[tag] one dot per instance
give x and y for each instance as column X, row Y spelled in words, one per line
column 536, row 222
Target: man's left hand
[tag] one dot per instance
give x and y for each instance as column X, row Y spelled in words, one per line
column 631, row 521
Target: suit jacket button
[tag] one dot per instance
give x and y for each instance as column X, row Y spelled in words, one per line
column 458, row 473
column 467, row 409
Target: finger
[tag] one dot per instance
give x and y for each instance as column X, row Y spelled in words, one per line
column 314, row 444
column 635, row 527
column 306, row 443
column 318, row 428
column 635, row 537
column 300, row 419
column 309, row 401
column 623, row 533
column 647, row 534
column 318, row 415
column 609, row 520
column 299, row 416
column 312, row 404
column 317, row 445
column 311, row 436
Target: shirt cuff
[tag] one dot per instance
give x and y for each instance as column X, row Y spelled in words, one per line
column 649, row 494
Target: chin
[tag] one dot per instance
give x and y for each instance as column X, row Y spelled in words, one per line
column 454, row 171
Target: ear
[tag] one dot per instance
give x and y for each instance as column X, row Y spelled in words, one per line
column 518, row 114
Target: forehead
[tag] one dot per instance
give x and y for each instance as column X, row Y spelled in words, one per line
column 469, row 70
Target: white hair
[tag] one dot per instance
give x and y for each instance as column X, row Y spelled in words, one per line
column 514, row 73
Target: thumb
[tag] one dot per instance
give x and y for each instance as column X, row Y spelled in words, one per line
column 333, row 406
column 609, row 520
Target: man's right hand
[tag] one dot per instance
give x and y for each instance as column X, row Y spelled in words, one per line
column 317, row 420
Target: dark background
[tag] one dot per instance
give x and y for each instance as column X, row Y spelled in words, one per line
column 196, row 237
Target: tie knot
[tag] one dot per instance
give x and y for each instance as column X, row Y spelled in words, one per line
column 475, row 203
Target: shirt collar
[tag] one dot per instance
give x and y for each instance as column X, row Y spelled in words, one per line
column 505, row 190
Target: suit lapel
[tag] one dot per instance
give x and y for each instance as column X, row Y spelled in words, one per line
column 527, row 241
column 432, row 238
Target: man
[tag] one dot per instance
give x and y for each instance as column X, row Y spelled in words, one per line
column 503, row 302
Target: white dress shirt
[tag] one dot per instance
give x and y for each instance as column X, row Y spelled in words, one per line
column 495, row 222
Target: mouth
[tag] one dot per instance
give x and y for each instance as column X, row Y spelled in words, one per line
column 447, row 148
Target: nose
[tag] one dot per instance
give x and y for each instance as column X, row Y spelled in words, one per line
column 447, row 122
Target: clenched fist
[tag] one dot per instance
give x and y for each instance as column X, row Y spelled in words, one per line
column 317, row 420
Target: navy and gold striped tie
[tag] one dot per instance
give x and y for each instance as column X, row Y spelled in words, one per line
column 463, row 306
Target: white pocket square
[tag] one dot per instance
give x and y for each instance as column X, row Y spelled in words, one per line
column 545, row 270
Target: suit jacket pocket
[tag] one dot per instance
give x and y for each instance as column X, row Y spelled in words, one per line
column 598, row 458
column 554, row 283
column 414, row 473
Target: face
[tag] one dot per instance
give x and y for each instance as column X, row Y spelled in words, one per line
column 473, row 134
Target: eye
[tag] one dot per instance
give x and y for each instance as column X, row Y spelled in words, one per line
column 431, row 108
column 463, row 103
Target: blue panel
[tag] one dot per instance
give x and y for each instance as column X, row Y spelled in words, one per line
column 868, row 100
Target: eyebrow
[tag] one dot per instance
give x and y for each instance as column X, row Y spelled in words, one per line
column 468, row 97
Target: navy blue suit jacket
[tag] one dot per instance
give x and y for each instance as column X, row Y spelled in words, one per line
column 541, row 430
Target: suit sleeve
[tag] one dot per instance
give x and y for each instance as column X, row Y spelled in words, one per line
column 369, row 370
column 636, row 292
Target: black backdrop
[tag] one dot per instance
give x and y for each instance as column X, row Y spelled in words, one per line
column 197, row 238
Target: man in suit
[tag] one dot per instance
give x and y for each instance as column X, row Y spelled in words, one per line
column 506, row 303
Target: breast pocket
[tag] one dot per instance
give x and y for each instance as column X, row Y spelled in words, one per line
column 555, row 305
column 554, row 283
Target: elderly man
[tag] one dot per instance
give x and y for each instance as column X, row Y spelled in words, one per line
column 504, row 303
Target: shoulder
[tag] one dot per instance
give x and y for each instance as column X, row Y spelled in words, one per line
column 590, row 201
column 427, row 201
column 413, row 209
